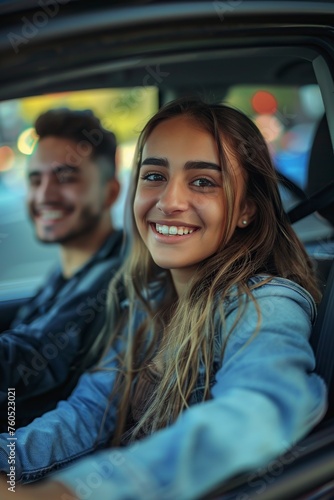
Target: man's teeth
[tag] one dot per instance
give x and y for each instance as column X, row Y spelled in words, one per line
column 52, row 214
column 173, row 230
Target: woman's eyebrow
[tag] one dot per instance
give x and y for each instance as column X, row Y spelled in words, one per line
column 202, row 165
column 158, row 162
column 189, row 165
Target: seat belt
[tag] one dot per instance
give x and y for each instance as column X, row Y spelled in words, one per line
column 317, row 201
column 322, row 338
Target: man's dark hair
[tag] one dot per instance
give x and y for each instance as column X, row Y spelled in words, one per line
column 84, row 128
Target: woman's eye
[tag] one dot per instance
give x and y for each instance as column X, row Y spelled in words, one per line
column 153, row 177
column 203, row 182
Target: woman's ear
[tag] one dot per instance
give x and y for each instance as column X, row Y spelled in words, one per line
column 247, row 213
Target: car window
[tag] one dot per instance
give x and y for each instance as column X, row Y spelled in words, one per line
column 288, row 117
column 124, row 111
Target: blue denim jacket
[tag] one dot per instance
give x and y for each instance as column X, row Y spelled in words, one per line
column 265, row 397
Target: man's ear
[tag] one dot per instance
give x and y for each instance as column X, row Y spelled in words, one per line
column 113, row 185
column 118, row 155
column 113, row 189
column 247, row 213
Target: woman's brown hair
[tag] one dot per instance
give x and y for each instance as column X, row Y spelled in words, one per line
column 181, row 333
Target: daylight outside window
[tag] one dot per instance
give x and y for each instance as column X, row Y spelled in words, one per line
column 24, row 261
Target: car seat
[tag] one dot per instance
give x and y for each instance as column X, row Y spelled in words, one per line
column 320, row 191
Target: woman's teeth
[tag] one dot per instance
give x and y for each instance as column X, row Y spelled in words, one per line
column 173, row 230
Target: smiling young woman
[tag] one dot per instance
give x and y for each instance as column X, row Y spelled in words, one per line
column 180, row 203
column 209, row 366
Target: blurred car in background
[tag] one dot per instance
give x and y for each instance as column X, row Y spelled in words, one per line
column 273, row 60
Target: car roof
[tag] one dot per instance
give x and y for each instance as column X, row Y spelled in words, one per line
column 98, row 45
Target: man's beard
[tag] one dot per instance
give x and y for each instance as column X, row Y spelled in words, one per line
column 86, row 225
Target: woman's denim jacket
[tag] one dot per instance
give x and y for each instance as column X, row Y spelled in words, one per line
column 265, row 397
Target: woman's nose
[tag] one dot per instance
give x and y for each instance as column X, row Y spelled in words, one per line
column 174, row 198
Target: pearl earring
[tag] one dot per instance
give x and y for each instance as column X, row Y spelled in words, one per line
column 244, row 222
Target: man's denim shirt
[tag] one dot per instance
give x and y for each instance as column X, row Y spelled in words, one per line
column 49, row 343
column 265, row 397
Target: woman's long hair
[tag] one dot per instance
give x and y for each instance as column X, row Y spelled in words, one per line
column 184, row 330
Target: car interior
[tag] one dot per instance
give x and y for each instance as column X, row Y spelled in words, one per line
column 208, row 49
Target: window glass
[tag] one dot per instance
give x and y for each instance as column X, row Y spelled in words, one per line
column 25, row 261
column 288, row 118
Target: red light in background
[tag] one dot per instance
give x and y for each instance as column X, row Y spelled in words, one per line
column 264, row 102
column 7, row 157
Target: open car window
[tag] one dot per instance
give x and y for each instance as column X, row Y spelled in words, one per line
column 123, row 111
column 286, row 115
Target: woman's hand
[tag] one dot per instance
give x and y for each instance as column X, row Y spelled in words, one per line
column 50, row 490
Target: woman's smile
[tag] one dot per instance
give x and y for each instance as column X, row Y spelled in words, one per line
column 180, row 204
column 172, row 232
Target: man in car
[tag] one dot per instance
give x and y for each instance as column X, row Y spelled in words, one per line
column 56, row 335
